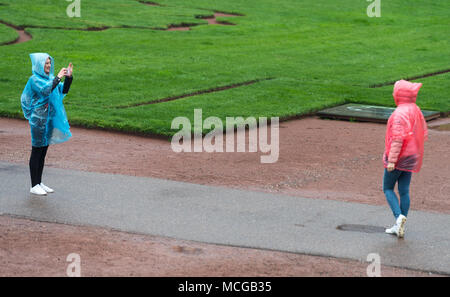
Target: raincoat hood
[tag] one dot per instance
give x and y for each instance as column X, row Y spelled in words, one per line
column 38, row 63
column 405, row 92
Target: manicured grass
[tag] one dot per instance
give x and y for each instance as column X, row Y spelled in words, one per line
column 7, row 34
column 94, row 13
column 318, row 54
column 431, row 95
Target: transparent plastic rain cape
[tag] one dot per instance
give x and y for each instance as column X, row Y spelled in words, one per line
column 44, row 108
column 407, row 124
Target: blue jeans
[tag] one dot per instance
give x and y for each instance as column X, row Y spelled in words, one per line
column 389, row 180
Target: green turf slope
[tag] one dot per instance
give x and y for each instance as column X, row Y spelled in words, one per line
column 306, row 55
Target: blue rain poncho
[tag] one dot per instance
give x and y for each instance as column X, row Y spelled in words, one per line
column 44, row 108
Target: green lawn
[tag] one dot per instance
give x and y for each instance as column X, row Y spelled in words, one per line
column 7, row 34
column 318, row 53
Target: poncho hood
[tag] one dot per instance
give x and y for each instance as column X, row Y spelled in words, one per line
column 405, row 92
column 38, row 63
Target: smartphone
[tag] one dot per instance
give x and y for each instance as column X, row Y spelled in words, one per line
column 69, row 71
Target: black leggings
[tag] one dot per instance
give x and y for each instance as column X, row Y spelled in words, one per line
column 37, row 161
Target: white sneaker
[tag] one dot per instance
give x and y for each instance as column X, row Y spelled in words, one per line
column 399, row 227
column 401, row 221
column 393, row 230
column 37, row 190
column 46, row 189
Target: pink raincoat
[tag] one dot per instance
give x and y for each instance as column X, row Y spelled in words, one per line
column 406, row 129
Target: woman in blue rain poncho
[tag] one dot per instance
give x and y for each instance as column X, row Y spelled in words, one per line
column 42, row 105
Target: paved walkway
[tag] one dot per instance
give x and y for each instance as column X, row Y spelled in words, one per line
column 226, row 216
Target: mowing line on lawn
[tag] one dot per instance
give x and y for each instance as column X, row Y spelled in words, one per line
column 201, row 92
column 411, row 78
column 211, row 19
column 25, row 36
column 151, row 3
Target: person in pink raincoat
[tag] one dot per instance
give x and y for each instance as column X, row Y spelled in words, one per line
column 406, row 133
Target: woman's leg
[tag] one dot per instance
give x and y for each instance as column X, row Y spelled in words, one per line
column 389, row 180
column 35, row 159
column 41, row 163
column 403, row 189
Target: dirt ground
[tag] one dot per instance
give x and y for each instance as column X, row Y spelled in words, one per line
column 321, row 159
column 30, row 248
